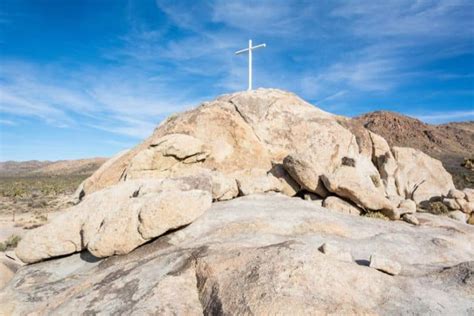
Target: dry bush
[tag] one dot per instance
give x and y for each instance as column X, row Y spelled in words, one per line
column 10, row 243
column 438, row 208
column 375, row 214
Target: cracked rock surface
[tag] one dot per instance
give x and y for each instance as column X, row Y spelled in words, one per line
column 259, row 255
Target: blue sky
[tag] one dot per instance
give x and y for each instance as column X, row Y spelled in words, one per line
column 92, row 77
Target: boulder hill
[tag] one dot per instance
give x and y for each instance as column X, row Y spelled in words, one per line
column 247, row 144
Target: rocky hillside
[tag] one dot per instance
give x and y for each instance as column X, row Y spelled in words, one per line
column 50, row 168
column 255, row 203
column 451, row 143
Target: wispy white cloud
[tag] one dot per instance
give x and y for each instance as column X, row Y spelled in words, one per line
column 7, row 122
column 118, row 100
column 426, row 18
column 442, row 117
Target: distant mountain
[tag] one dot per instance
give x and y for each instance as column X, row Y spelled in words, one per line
column 61, row 167
column 450, row 143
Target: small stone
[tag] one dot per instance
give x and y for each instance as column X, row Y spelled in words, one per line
column 469, row 194
column 465, row 206
column 335, row 252
column 451, row 204
column 407, row 206
column 385, row 265
column 255, row 181
column 318, row 203
column 471, row 219
column 223, row 187
column 411, row 219
column 458, row 215
column 456, row 194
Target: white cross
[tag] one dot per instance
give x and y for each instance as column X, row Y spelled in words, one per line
column 249, row 49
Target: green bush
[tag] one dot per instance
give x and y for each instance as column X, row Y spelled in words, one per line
column 10, row 243
column 438, row 208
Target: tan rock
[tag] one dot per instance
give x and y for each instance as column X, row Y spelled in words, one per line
column 459, row 216
column 411, row 219
column 180, row 146
column 420, row 177
column 256, row 181
column 384, row 264
column 107, row 221
column 464, row 206
column 223, row 187
column 171, row 210
column 305, row 173
column 241, row 131
column 451, row 204
column 471, row 219
column 231, row 142
column 358, row 186
column 289, row 186
column 456, row 194
column 258, row 129
column 337, row 204
column 469, row 194
column 407, row 207
column 117, row 233
column 166, row 156
column 287, row 124
column 61, row 236
column 385, row 162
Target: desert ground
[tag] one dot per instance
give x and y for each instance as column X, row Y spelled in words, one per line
column 32, row 192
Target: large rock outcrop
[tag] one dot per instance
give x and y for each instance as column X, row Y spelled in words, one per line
column 260, row 255
column 118, row 219
column 239, row 144
column 257, row 130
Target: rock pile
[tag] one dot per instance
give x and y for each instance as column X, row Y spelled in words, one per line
column 461, row 204
column 240, row 144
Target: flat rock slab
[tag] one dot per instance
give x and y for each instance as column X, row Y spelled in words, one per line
column 259, row 255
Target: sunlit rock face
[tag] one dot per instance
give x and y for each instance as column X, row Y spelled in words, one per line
column 262, row 254
column 216, row 195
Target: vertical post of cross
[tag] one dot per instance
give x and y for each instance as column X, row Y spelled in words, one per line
column 250, row 65
column 249, row 50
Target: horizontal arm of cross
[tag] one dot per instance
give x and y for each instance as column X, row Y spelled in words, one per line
column 241, row 51
column 247, row 49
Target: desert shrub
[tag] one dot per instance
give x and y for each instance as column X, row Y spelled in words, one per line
column 437, row 208
column 346, row 161
column 39, row 186
column 378, row 215
column 37, row 203
column 468, row 163
column 10, row 243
